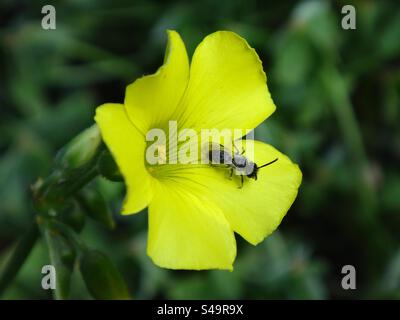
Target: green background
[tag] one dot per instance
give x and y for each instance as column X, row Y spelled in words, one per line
column 337, row 94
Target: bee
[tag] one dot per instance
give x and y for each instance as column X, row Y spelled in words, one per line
column 236, row 161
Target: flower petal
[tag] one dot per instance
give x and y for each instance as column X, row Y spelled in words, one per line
column 127, row 146
column 227, row 87
column 255, row 210
column 154, row 98
column 186, row 232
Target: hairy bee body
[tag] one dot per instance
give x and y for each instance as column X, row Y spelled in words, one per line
column 220, row 156
column 236, row 162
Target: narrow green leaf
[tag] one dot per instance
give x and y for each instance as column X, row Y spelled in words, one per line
column 62, row 257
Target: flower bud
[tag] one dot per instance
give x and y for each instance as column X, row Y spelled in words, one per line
column 101, row 277
column 81, row 149
column 94, row 205
column 108, row 168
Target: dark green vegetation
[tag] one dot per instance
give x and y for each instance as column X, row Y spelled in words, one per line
column 338, row 115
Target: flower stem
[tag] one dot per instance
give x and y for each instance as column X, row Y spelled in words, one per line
column 70, row 234
column 18, row 257
column 49, row 195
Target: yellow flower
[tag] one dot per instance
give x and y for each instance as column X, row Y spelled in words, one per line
column 194, row 210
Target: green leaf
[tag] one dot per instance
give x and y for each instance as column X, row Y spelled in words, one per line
column 62, row 257
column 93, row 203
column 101, row 277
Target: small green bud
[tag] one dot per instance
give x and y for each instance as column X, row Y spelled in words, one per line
column 80, row 150
column 101, row 277
column 94, row 205
column 73, row 216
column 108, row 168
column 68, row 256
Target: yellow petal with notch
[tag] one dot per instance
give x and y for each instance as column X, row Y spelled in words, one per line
column 151, row 100
column 227, row 87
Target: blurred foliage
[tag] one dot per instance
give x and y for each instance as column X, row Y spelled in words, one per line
column 338, row 98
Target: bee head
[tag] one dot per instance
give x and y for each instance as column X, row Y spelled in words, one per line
column 253, row 173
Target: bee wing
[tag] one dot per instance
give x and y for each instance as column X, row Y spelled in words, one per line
column 218, row 154
column 220, row 157
column 224, row 148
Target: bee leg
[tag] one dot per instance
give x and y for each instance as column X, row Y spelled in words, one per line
column 241, row 182
column 237, row 150
column 231, row 174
